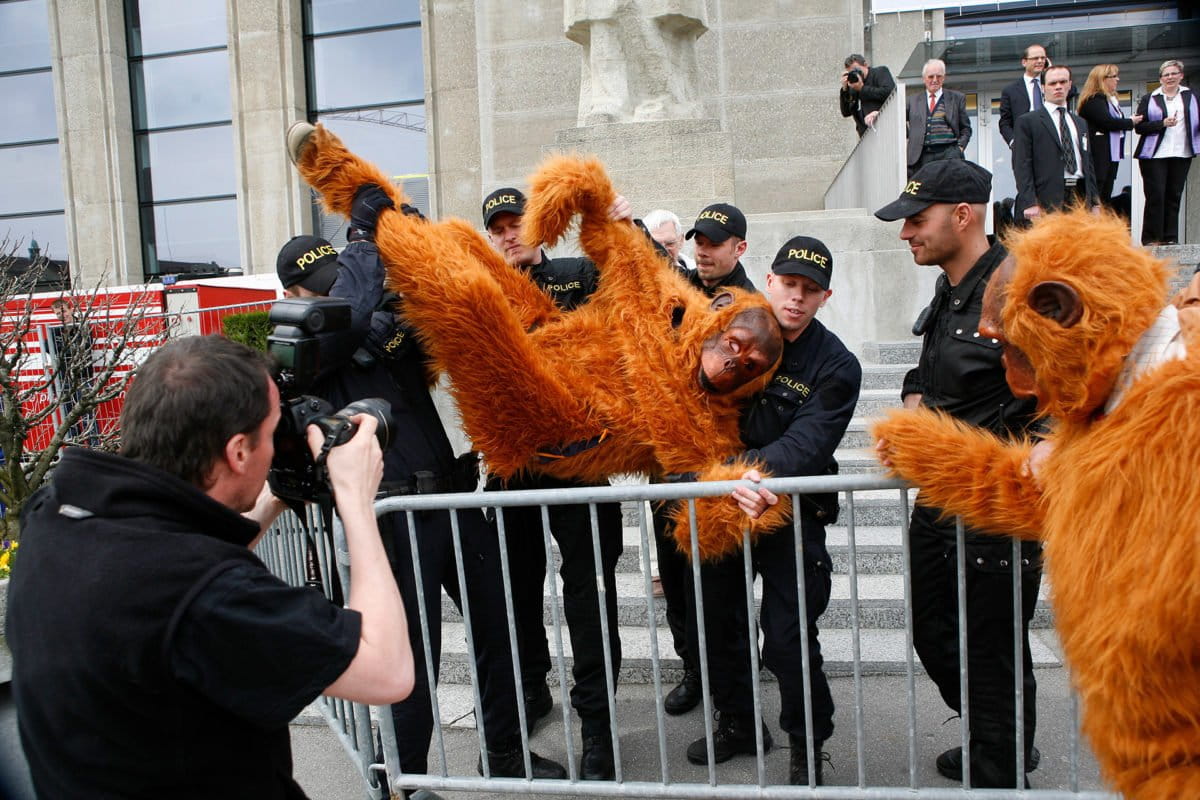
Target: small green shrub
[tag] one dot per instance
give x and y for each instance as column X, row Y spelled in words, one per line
column 250, row 328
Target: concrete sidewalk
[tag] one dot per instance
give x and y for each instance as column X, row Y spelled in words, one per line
column 325, row 771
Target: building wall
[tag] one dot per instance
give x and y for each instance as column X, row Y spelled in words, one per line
column 769, row 71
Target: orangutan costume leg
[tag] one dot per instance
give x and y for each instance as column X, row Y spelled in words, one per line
column 1082, row 319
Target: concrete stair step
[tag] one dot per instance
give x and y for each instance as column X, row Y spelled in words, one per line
column 882, row 652
column 903, row 352
column 885, row 376
column 874, row 403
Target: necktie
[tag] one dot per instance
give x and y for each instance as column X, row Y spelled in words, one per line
column 932, row 102
column 1068, row 145
column 1037, row 94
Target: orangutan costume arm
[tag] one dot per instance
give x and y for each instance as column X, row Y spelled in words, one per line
column 964, row 470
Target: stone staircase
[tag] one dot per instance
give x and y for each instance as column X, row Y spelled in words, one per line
column 879, row 560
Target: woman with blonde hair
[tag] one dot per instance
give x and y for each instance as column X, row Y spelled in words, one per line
column 1100, row 108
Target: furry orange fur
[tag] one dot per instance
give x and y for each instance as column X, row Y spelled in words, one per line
column 1114, row 502
column 522, row 377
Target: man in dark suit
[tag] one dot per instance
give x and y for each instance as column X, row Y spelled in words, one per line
column 1024, row 94
column 1050, row 155
column 864, row 90
column 938, row 126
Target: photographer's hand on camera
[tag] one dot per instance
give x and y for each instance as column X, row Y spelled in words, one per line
column 355, row 468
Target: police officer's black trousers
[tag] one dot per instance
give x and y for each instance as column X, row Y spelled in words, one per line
column 773, row 558
column 673, row 571
column 990, row 661
column 572, row 529
column 493, row 653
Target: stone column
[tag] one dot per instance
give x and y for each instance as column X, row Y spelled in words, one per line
column 681, row 165
column 95, row 123
column 266, row 74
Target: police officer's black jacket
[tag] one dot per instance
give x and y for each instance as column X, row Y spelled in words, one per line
column 380, row 357
column 736, row 277
column 569, row 281
column 959, row 370
column 796, row 423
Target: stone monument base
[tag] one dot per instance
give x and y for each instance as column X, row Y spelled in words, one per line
column 679, row 165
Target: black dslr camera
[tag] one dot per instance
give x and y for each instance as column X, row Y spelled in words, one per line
column 295, row 476
column 854, row 76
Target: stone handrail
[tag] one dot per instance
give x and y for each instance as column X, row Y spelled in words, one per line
column 875, row 171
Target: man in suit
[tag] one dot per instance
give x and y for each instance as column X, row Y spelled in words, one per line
column 864, row 90
column 938, row 126
column 1024, row 94
column 1050, row 155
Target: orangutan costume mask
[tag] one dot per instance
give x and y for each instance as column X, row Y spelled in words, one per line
column 1080, row 312
column 647, row 376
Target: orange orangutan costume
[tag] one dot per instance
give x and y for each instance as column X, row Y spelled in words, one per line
column 1115, row 499
column 531, row 397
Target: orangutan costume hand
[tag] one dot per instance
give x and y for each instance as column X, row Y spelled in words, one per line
column 1115, row 496
column 611, row 387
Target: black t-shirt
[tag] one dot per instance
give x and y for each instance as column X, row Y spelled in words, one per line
column 261, row 649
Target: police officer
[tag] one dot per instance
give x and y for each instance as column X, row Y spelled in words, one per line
column 960, row 373
column 380, row 357
column 569, row 281
column 720, row 241
column 793, row 427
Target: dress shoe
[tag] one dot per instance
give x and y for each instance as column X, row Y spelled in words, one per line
column 538, row 704
column 297, row 137
column 949, row 763
column 733, row 735
column 798, row 773
column 686, row 696
column 509, row 762
column 596, row 764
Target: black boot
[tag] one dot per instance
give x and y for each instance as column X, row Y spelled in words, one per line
column 596, row 764
column 538, row 703
column 686, row 696
column 949, row 763
column 509, row 762
column 798, row 768
column 734, row 735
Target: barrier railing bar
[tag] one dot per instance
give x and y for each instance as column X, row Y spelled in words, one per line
column 805, row 647
column 964, row 719
column 610, row 680
column 702, row 645
column 752, row 646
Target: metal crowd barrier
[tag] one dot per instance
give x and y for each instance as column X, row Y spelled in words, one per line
column 373, row 749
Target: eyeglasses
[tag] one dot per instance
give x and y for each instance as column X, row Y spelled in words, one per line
column 1112, row 75
column 1170, row 74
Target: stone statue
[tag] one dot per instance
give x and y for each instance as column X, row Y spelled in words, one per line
column 639, row 60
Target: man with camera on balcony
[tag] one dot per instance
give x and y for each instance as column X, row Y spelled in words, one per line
column 380, row 357
column 864, row 91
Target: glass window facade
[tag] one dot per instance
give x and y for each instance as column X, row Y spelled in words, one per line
column 32, row 204
column 366, row 83
column 183, row 134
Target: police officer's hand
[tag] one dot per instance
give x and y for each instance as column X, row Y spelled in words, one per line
column 620, row 209
column 754, row 501
column 369, row 201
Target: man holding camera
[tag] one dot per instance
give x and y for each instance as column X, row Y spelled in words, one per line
column 864, row 91
column 151, row 648
column 380, row 357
